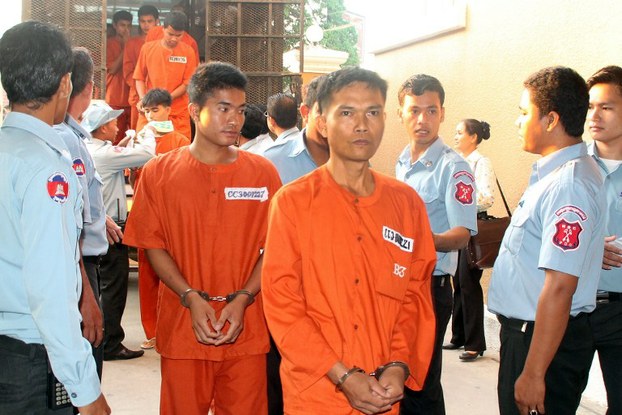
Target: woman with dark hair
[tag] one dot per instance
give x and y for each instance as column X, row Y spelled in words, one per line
column 468, row 311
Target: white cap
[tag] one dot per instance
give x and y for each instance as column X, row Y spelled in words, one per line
column 98, row 114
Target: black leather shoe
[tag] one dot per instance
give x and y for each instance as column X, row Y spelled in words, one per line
column 470, row 356
column 123, row 354
column 451, row 346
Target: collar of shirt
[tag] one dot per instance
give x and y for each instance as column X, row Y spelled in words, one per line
column 593, row 151
column 287, row 134
column 39, row 129
column 77, row 128
column 473, row 157
column 299, row 144
column 550, row 163
column 429, row 158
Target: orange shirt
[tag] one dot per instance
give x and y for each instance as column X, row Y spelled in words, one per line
column 157, row 33
column 212, row 220
column 160, row 67
column 130, row 58
column 117, row 91
column 164, row 144
column 346, row 278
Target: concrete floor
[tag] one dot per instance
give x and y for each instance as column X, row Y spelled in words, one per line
column 132, row 387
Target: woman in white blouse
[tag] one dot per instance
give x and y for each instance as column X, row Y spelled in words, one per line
column 468, row 310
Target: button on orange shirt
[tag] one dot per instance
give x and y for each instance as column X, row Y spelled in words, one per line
column 346, row 278
column 130, row 59
column 157, row 33
column 160, row 67
column 212, row 220
column 117, row 91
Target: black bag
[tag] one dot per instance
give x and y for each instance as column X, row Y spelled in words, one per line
column 483, row 248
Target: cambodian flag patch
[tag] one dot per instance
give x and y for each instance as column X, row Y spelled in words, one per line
column 58, row 187
column 567, row 234
column 464, row 193
column 78, row 167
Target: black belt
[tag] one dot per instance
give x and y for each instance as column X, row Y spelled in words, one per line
column 605, row 297
column 94, row 259
column 514, row 323
column 19, row 347
column 440, row 280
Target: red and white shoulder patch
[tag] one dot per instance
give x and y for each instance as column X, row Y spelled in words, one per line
column 464, row 193
column 567, row 234
column 58, row 187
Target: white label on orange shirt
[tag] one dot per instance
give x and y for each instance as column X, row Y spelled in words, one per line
column 246, row 193
column 178, row 59
column 397, row 239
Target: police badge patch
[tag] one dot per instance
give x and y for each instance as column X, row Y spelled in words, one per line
column 567, row 234
column 58, row 187
column 464, row 193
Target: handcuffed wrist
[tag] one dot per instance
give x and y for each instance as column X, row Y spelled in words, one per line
column 182, row 297
column 380, row 369
column 345, row 376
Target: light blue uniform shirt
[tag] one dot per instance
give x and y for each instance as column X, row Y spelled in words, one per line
column 40, row 223
column 94, row 241
column 611, row 280
column 291, row 158
column 445, row 182
column 559, row 225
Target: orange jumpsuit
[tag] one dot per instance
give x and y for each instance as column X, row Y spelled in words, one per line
column 157, row 33
column 346, row 278
column 160, row 67
column 117, row 91
column 212, row 220
column 148, row 281
column 130, row 58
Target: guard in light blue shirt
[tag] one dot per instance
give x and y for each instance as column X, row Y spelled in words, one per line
column 446, row 184
column 605, row 125
column 40, row 223
column 545, row 277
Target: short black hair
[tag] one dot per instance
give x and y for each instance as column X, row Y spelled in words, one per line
column 82, row 72
column 177, row 20
column 283, row 109
column 336, row 81
column 34, row 58
column 563, row 91
column 122, row 15
column 157, row 96
column 311, row 95
column 148, row 10
column 481, row 128
column 254, row 122
column 608, row 75
column 210, row 77
column 418, row 84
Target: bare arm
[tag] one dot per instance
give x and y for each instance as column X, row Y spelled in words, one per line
column 551, row 320
column 179, row 91
column 612, row 257
column 92, row 321
column 451, row 240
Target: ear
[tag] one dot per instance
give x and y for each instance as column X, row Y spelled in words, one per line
column 442, row 114
column 65, row 86
column 552, row 120
column 193, row 109
column 321, row 125
column 400, row 114
column 304, row 111
column 167, row 110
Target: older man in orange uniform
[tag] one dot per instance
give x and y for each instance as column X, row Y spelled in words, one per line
column 168, row 63
column 148, row 18
column 346, row 275
column 201, row 213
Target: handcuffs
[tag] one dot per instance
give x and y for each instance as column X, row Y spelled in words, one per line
column 376, row 373
column 219, row 298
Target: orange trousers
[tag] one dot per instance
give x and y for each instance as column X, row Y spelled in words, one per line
column 237, row 387
column 148, row 286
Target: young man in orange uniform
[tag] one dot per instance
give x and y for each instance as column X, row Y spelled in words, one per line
column 201, row 213
column 117, row 91
column 148, row 17
column 157, row 107
column 168, row 63
column 346, row 276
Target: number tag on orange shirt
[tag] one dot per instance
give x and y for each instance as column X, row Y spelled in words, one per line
column 178, row 59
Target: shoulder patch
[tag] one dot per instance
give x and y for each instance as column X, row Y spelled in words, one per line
column 464, row 173
column 567, row 234
column 78, row 167
column 464, row 193
column 573, row 209
column 246, row 193
column 58, row 187
column 397, row 239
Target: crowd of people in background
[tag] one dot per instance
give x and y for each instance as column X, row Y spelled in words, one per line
column 278, row 271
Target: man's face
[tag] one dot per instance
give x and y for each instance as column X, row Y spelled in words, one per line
column 107, row 131
column 354, row 122
column 422, row 116
column 605, row 114
column 146, row 22
column 122, row 28
column 313, row 129
column 221, row 118
column 157, row 112
column 531, row 126
column 172, row 37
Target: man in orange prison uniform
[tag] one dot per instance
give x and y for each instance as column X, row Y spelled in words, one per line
column 201, row 212
column 158, row 33
column 157, row 107
column 168, row 63
column 148, row 17
column 117, row 91
column 346, row 275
